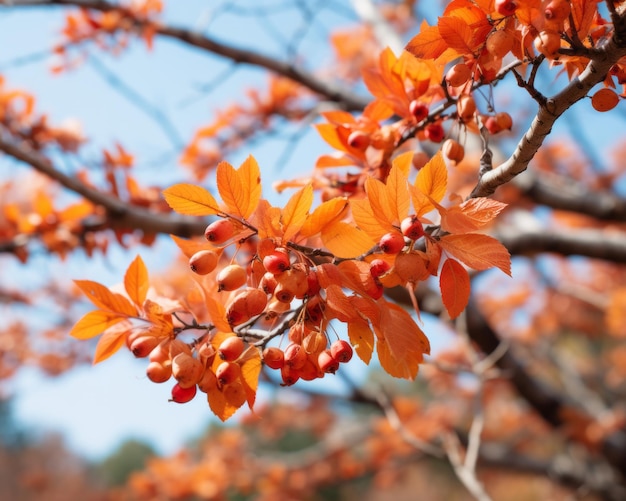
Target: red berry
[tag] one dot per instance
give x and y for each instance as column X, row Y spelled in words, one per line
column 290, row 375
column 412, row 227
column 379, row 267
column 435, row 132
column 274, row 357
column 231, row 348
column 219, row 231
column 327, row 363
column 358, row 140
column 419, row 110
column 181, row 395
column 506, row 7
column 277, row 261
column 341, row 350
column 391, row 243
column 295, row 356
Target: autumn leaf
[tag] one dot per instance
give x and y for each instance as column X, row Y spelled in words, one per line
column 477, row 251
column 454, row 283
column 191, row 200
column 324, row 214
column 345, row 240
column 431, row 183
column 249, row 174
column 400, row 343
column 361, row 338
column 295, row 212
column 217, row 313
column 367, row 220
column 190, row 247
column 110, row 342
column 471, row 215
column 250, row 371
column 106, row 300
column 456, row 34
column 136, row 281
column 267, row 220
column 95, row 323
column 428, row 43
column 239, row 189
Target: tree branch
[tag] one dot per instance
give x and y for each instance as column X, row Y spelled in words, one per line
column 119, row 213
column 547, row 115
column 343, row 97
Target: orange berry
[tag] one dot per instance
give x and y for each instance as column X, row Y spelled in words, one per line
column 231, row 277
column 181, row 395
column 358, row 140
column 465, row 107
column 158, row 373
column 186, row 369
column 203, row 262
column 504, row 120
column 274, row 357
column 453, row 150
column 143, row 345
column 231, row 348
column 499, row 43
column 295, row 356
column 458, row 75
column 219, row 231
column 420, row 158
column 289, row 374
column 268, row 283
column 548, row 43
column 276, row 262
column 247, row 304
column 604, row 100
column 557, row 10
column 227, row 372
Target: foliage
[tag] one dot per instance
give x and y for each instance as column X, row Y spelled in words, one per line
column 429, row 183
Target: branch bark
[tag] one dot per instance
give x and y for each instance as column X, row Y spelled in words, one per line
column 119, row 213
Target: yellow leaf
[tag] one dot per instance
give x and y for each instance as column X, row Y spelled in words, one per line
column 366, row 219
column 136, row 281
column 295, row 212
column 346, row 240
column 191, row 200
column 110, row 342
column 190, row 247
column 403, row 163
column 94, row 323
column 397, row 189
column 362, row 338
column 250, row 175
column 217, row 313
column 326, row 213
column 104, row 299
column 380, row 201
column 432, row 181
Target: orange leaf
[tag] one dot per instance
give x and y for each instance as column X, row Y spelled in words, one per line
column 230, row 189
column 471, row 215
column 249, row 174
column 456, row 33
column 190, row 247
column 219, row 402
column 136, row 281
column 454, row 283
column 296, row 211
column 428, row 43
column 336, row 159
column 362, row 338
column 379, row 199
column 267, row 220
column 340, row 304
column 329, row 134
column 110, row 342
column 397, row 189
column 477, row 251
column 366, row 219
column 432, row 181
column 250, row 370
column 94, row 323
column 401, row 344
column 104, row 299
column 217, row 313
column 345, row 240
column 191, row 200
column 326, row 213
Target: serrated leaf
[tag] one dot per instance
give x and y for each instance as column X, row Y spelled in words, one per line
column 110, row 342
column 367, row 220
column 296, row 211
column 428, row 43
column 456, row 34
column 477, row 251
column 239, row 189
column 95, row 323
column 345, row 240
column 250, row 175
column 191, row 200
column 104, row 299
column 217, row 313
column 397, row 188
column 267, row 220
column 190, row 247
column 431, row 181
column 380, row 200
column 471, row 215
column 324, row 214
column 136, row 281
column 250, row 370
column 454, row 283
column 400, row 343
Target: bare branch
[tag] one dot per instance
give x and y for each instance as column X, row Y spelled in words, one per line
column 120, row 214
column 547, row 115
